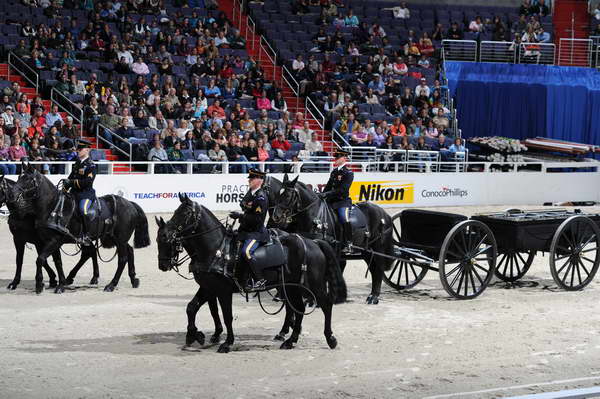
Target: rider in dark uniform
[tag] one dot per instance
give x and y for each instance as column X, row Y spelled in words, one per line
column 81, row 182
column 252, row 231
column 337, row 194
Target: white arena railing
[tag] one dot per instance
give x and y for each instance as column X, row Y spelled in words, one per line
column 417, row 162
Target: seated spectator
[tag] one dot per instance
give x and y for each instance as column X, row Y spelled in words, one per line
column 359, row 137
column 300, row 7
column 422, row 145
column 36, row 154
column 281, row 145
column 16, row 151
column 455, row 33
column 314, row 146
column 174, row 154
column 440, row 119
column 422, row 89
column 139, row 67
column 596, row 12
column 251, row 153
column 440, row 144
column 8, row 116
column 235, row 154
column 262, row 150
column 430, row 130
column 457, row 146
column 541, row 36
column 53, row 117
column 263, row 102
column 216, row 154
column 476, row 25
column 305, row 133
column 405, row 144
column 398, row 128
column 6, row 168
column 349, row 126
column 278, row 103
column 351, row 20
column 216, row 108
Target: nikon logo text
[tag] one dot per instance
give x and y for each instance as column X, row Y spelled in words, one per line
column 384, row 192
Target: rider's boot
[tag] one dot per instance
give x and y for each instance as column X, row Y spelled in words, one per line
column 347, row 245
column 85, row 239
column 259, row 282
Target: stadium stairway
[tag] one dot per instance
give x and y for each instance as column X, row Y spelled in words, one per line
column 294, row 103
column 571, row 20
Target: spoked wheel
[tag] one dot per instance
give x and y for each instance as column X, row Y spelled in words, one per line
column 574, row 255
column 513, row 265
column 467, row 259
column 402, row 275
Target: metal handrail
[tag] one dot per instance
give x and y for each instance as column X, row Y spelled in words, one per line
column 337, row 134
column 273, row 58
column 252, row 30
column 35, row 80
column 99, row 138
column 296, row 86
column 73, row 106
column 321, row 119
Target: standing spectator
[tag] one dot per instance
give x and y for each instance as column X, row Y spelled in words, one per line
column 400, row 12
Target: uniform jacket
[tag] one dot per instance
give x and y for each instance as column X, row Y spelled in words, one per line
column 337, row 190
column 82, row 176
column 252, row 224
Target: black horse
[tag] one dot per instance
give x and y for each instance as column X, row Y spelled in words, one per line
column 35, row 195
column 298, row 209
column 203, row 237
column 24, row 231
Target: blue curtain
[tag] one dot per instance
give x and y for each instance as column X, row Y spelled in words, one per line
column 522, row 101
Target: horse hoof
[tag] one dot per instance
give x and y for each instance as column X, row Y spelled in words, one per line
column 12, row 286
column 279, row 337
column 224, row 348
column 287, row 345
column 372, row 300
column 68, row 281
column 369, row 299
column 59, row 289
column 39, row 288
column 194, row 336
column 135, row 283
column 215, row 338
column 109, row 288
column 94, row 281
column 54, row 284
column 332, row 342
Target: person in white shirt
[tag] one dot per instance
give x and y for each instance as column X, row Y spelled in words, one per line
column 305, row 133
column 422, row 89
column 8, row 116
column 221, row 40
column 313, row 145
column 596, row 12
column 298, row 64
column 123, row 52
column 401, row 12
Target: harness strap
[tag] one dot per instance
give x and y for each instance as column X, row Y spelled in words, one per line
column 304, row 266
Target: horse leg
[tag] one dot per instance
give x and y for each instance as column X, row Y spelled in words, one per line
column 49, row 248
column 122, row 259
column 214, row 312
column 51, row 275
column 226, row 307
column 326, row 306
column 287, row 323
column 20, row 248
column 135, row 282
column 85, row 255
column 192, row 310
column 95, row 270
column 342, row 263
column 296, row 301
column 376, row 280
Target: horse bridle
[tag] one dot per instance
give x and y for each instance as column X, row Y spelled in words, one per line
column 292, row 208
column 176, row 240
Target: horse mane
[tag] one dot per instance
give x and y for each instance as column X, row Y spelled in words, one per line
column 210, row 215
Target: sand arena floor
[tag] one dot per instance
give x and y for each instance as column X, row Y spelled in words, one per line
column 514, row 339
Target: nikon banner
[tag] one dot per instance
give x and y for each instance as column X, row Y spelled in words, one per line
column 223, row 192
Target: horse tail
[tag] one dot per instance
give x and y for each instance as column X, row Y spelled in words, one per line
column 333, row 274
column 141, row 238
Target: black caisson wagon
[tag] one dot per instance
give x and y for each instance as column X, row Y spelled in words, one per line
column 468, row 252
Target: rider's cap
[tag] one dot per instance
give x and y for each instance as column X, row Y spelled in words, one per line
column 256, row 173
column 341, row 153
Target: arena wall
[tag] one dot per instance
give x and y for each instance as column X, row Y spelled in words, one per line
column 159, row 193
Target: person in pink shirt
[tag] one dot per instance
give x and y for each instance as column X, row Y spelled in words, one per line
column 263, row 102
column 16, row 151
column 140, row 67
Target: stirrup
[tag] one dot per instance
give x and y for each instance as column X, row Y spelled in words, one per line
column 85, row 241
column 347, row 248
column 256, row 286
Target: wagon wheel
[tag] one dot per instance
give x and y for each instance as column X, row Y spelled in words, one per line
column 402, row 275
column 467, row 259
column 513, row 265
column 574, row 257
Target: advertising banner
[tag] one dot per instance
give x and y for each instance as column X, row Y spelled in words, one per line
column 160, row 193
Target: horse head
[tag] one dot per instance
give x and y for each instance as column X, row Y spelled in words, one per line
column 287, row 203
column 171, row 234
column 22, row 195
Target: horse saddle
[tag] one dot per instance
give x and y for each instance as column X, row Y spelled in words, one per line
column 271, row 254
column 98, row 217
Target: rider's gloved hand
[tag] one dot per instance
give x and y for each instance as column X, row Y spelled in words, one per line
column 235, row 215
column 67, row 184
column 322, row 195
